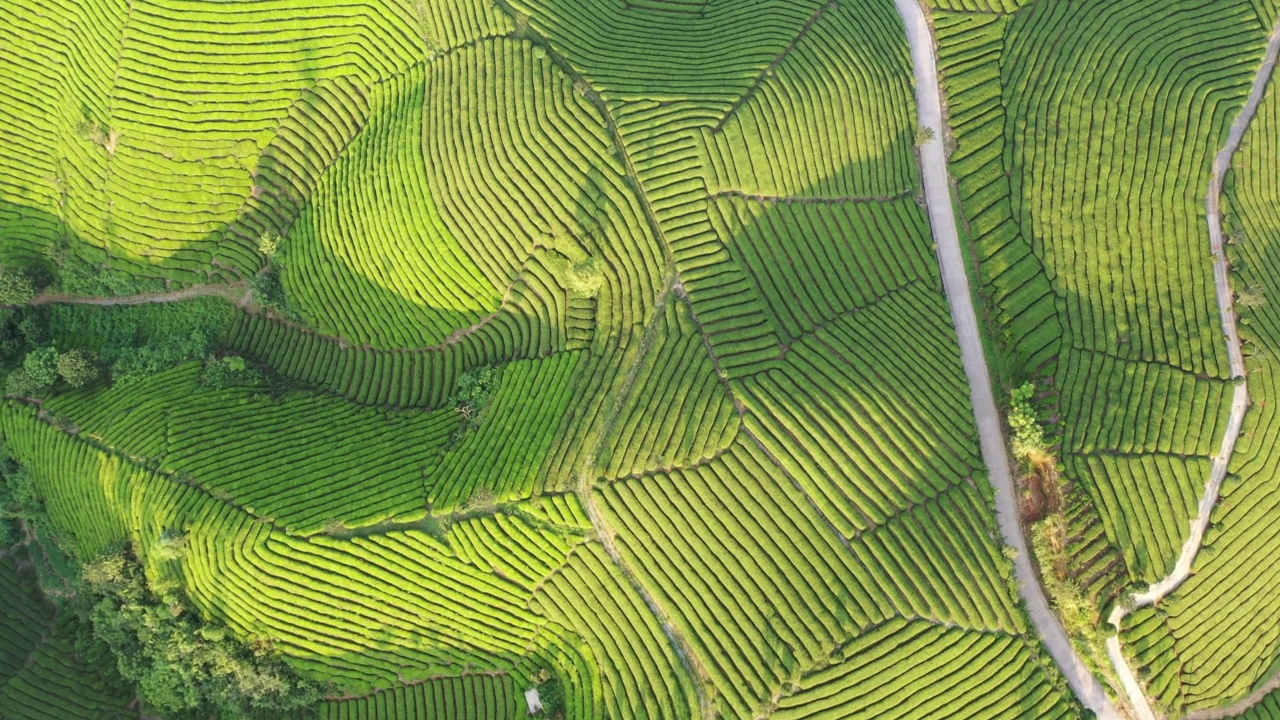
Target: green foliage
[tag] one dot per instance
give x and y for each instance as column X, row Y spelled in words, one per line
column 19, row 500
column 77, row 367
column 184, row 667
column 1079, row 612
column 172, row 545
column 221, row 372
column 924, row 134
column 584, row 278
column 1028, row 434
column 475, row 390
column 79, row 278
column 39, row 371
column 16, row 287
column 269, row 244
column 269, row 292
column 550, row 693
column 136, row 341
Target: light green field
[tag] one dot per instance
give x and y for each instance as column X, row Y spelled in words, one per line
column 723, row 462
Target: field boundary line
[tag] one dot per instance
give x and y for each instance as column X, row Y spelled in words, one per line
column 1240, row 399
column 942, row 220
column 585, row 487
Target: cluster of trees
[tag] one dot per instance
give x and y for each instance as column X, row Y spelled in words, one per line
column 268, row 289
column 1029, row 442
column 29, row 358
column 144, row 635
column 475, row 390
column 41, row 346
column 550, row 693
column 183, row 666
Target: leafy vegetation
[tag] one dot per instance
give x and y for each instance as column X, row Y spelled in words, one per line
column 16, row 287
column 184, row 667
column 1090, row 238
column 601, row 348
column 475, row 390
column 1028, row 433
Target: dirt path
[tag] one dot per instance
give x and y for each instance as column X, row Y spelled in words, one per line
column 933, row 165
column 235, row 292
column 1240, row 399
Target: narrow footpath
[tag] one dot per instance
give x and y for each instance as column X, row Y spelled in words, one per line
column 1239, row 401
column 235, row 292
column 933, row 166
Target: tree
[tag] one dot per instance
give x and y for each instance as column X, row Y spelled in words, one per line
column 924, row 134
column 475, row 389
column 77, row 367
column 39, row 371
column 1028, row 435
column 269, row 244
column 221, row 372
column 16, row 287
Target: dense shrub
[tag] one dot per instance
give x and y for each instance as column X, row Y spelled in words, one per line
column 184, row 667
column 221, row 372
column 16, row 287
column 39, row 371
column 77, row 367
column 1028, row 434
column 475, row 390
column 135, row 341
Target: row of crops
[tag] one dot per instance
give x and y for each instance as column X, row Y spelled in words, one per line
column 40, row 678
column 305, row 461
column 844, row 135
column 483, row 697
column 376, row 610
column 947, row 672
column 1081, row 159
column 729, row 462
column 369, row 259
column 870, row 414
column 763, row 591
column 1216, row 637
column 505, row 454
column 1267, row 709
column 815, row 261
column 142, row 135
column 678, row 412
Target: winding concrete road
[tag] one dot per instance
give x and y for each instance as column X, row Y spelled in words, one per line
column 933, row 166
column 1240, row 399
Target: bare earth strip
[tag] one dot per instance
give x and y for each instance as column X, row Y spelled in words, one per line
column 933, row 165
column 234, row 291
column 1240, row 400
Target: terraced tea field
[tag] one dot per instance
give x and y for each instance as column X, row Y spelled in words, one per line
column 1083, row 193
column 490, row 359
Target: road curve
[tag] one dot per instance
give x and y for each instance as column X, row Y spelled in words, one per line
column 937, row 186
column 1240, row 398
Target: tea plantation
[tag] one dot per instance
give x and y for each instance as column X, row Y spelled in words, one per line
column 593, row 359
column 1085, row 135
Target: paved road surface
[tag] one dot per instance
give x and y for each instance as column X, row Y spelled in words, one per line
column 933, row 165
